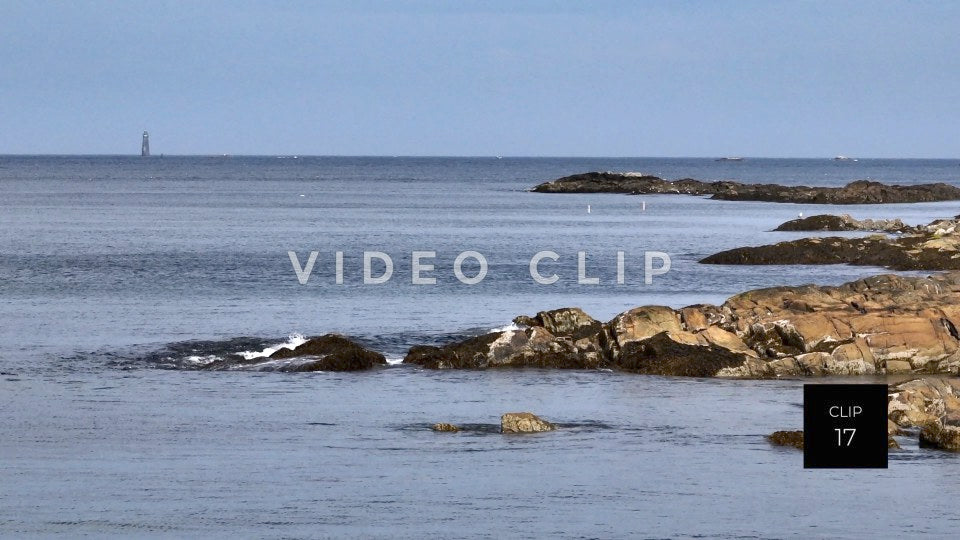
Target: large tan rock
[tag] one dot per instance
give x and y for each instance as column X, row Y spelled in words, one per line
column 693, row 318
column 918, row 339
column 856, row 350
column 817, row 328
column 898, row 366
column 524, row 422
column 715, row 335
column 786, row 367
column 925, row 402
column 639, row 324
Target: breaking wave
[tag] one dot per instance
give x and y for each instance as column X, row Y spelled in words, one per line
column 253, row 353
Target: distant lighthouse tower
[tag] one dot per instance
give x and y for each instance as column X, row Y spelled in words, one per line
column 145, row 147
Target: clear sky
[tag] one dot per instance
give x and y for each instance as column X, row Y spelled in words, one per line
column 672, row 78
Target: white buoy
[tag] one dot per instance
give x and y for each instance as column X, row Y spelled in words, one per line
column 800, row 215
column 588, row 208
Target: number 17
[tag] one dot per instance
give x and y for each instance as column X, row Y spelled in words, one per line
column 841, row 433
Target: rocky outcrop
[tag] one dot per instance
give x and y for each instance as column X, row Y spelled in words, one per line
column 827, row 222
column 524, row 422
column 859, row 192
column 566, row 322
column 332, row 352
column 931, row 405
column 628, row 182
column 445, row 427
column 933, row 247
column 881, row 324
column 530, row 347
column 787, row 438
column 923, row 402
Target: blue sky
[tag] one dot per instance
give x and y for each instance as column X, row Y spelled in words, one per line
column 777, row 79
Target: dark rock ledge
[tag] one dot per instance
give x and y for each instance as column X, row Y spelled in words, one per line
column 858, row 192
column 827, row 222
column 931, row 247
column 331, row 352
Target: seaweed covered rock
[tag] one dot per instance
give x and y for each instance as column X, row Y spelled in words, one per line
column 942, row 436
column 332, row 352
column 793, row 439
column 680, row 354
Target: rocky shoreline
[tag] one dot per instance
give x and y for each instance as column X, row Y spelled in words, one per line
column 878, row 325
column 881, row 325
column 884, row 324
column 931, row 247
column 858, row 192
column 926, row 408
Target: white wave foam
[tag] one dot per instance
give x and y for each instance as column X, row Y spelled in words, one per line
column 202, row 360
column 293, row 341
column 512, row 327
column 394, row 361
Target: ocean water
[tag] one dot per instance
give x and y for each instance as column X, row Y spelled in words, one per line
column 121, row 276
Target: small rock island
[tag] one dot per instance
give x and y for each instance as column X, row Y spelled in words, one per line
column 858, row 192
column 930, row 247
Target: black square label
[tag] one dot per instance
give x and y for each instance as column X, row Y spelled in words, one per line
column 844, row 426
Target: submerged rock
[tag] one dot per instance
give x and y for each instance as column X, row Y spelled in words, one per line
column 787, row 438
column 442, row 426
column 524, row 422
column 942, row 436
column 333, row 352
column 794, row 439
column 859, row 192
